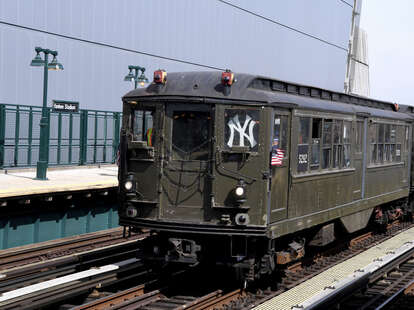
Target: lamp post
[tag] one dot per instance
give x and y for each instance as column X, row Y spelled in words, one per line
column 44, row 121
column 134, row 75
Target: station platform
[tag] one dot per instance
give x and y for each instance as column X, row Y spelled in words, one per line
column 73, row 200
column 18, row 183
column 306, row 290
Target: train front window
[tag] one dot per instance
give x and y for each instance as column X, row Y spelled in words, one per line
column 190, row 135
column 142, row 125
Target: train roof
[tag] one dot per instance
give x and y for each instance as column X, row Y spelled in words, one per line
column 249, row 88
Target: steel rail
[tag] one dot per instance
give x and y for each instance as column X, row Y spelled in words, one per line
column 50, row 269
column 55, row 290
column 216, row 302
column 18, row 257
column 393, row 298
column 301, row 272
column 113, row 299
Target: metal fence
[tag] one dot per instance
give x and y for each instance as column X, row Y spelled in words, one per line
column 84, row 137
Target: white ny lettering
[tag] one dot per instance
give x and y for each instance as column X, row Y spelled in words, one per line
column 234, row 125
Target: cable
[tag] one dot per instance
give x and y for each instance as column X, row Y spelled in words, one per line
column 284, row 26
column 111, row 46
column 347, row 3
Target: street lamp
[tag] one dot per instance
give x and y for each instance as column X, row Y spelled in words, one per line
column 44, row 121
column 134, row 75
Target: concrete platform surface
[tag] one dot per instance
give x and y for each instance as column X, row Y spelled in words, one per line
column 307, row 289
column 23, row 183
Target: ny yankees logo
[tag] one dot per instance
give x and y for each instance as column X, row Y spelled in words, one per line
column 234, row 125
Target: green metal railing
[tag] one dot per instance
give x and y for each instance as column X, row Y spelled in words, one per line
column 79, row 138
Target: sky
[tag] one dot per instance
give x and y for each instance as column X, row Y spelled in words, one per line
column 390, row 28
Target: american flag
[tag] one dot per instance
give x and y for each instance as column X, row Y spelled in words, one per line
column 277, row 157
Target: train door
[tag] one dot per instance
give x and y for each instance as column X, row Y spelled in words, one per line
column 279, row 165
column 241, row 159
column 187, row 146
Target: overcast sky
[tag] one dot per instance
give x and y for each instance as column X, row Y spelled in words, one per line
column 390, row 28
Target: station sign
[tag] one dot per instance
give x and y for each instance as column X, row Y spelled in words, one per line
column 65, row 106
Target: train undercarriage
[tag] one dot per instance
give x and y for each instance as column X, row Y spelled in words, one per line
column 253, row 257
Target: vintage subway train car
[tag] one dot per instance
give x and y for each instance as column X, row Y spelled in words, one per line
column 249, row 170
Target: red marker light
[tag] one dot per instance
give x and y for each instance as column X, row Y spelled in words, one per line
column 396, row 107
column 227, row 78
column 160, row 77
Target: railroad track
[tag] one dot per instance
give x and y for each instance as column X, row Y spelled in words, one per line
column 385, row 289
column 17, row 257
column 86, row 252
column 401, row 300
column 303, row 271
column 51, row 292
column 135, row 298
column 139, row 296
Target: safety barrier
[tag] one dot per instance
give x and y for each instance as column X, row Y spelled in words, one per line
column 75, row 138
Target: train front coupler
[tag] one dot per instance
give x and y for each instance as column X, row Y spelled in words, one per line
column 169, row 250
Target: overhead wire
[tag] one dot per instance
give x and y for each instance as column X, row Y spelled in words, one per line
column 176, row 59
column 283, row 25
column 111, row 46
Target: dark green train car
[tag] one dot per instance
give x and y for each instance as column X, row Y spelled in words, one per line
column 249, row 171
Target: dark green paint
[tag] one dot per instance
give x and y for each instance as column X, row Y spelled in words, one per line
column 83, row 139
column 2, row 132
column 49, row 224
column 21, row 144
column 288, row 202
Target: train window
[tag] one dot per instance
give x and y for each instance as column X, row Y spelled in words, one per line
column 337, row 141
column 304, row 123
column 330, row 145
column 392, row 152
column 407, row 135
column 190, row 135
column 380, row 153
column 398, row 153
column 381, row 133
column 387, row 152
column 303, row 145
column 276, row 130
column 327, row 132
column 143, row 126
column 337, row 134
column 387, row 143
column 346, row 160
column 387, row 140
column 347, row 132
column 359, row 137
column 373, row 153
column 279, row 143
column 284, row 132
column 387, row 133
column 242, row 129
column 336, row 156
column 373, row 133
column 373, row 140
column 326, row 158
column 327, row 143
column 393, row 133
column 316, row 140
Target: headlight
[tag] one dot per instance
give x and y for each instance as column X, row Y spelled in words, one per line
column 128, row 185
column 242, row 219
column 131, row 211
column 239, row 191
